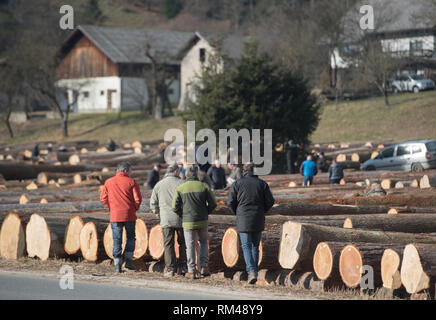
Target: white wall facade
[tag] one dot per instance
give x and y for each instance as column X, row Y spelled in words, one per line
column 191, row 69
column 93, row 94
column 403, row 44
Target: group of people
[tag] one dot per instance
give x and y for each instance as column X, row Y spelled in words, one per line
column 309, row 169
column 214, row 176
column 183, row 207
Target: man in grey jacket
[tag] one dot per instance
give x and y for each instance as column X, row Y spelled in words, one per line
column 161, row 205
column 336, row 172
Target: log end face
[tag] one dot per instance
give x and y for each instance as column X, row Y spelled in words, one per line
column 230, row 247
column 156, row 242
column 89, row 242
column 413, row 276
column 38, row 238
column 141, row 244
column 12, row 238
column 72, row 235
column 323, row 261
column 292, row 244
column 390, row 273
column 350, row 266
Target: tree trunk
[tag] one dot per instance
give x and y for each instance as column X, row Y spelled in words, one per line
column 390, row 268
column 21, row 171
column 326, row 263
column 13, row 237
column 354, row 257
column 72, row 235
column 299, row 241
column 91, row 242
column 427, row 182
column 45, row 238
column 418, row 270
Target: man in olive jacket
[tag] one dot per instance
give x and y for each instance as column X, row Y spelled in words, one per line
column 194, row 201
column 250, row 198
column 161, row 202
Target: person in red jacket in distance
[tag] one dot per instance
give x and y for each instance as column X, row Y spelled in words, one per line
column 122, row 196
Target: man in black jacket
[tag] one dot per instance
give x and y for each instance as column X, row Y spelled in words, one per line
column 250, row 198
column 336, row 173
column 153, row 177
column 217, row 175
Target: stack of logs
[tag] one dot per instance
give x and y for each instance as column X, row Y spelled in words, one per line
column 50, row 209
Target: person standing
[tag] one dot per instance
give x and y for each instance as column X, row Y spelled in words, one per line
column 161, row 204
column 193, row 202
column 250, row 198
column 217, row 175
column 291, row 156
column 235, row 173
column 122, row 196
column 336, row 173
column 321, row 164
column 308, row 170
column 111, row 145
column 153, row 176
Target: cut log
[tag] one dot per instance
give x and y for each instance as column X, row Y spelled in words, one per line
column 32, row 186
column 361, row 156
column 19, row 171
column 409, row 223
column 341, row 157
column 91, row 242
column 427, row 182
column 43, row 201
column 156, row 247
column 12, row 237
column 418, row 270
column 390, row 269
column 141, row 245
column 299, row 241
column 326, row 263
column 74, row 160
column 108, row 241
column 72, row 235
column 24, row 199
column 44, row 238
column 267, row 277
column 231, row 250
column 388, row 184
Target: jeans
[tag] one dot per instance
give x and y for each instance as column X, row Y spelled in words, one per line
column 117, row 235
column 250, row 247
column 170, row 254
column 310, row 179
column 335, row 181
column 190, row 240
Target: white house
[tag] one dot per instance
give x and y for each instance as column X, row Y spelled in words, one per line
column 403, row 30
column 101, row 68
column 198, row 54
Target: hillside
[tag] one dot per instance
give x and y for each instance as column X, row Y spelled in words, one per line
column 409, row 117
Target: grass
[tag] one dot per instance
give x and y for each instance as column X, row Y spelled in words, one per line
column 409, row 116
column 99, row 127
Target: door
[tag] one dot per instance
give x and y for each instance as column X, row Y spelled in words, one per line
column 386, row 161
column 402, row 161
column 109, row 99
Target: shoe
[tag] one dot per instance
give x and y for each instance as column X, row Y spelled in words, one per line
column 117, row 264
column 169, row 274
column 191, row 276
column 205, row 272
column 129, row 259
column 182, row 270
column 252, row 277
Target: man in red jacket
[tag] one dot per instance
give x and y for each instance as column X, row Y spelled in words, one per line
column 122, row 196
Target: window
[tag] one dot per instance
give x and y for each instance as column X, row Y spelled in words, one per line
column 86, row 94
column 416, row 149
column 416, row 46
column 431, row 146
column 202, row 55
column 403, row 150
column 102, row 92
column 388, row 153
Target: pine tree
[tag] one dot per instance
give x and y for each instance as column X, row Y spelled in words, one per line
column 93, row 13
column 171, row 8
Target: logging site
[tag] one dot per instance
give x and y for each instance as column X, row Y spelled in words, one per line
column 217, row 150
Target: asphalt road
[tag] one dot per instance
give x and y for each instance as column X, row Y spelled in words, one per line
column 27, row 288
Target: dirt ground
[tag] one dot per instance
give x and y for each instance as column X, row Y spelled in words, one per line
column 103, row 273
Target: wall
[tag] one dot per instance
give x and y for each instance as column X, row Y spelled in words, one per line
column 403, row 44
column 191, row 69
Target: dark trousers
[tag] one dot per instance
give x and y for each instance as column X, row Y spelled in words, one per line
column 308, row 179
column 290, row 161
column 335, row 181
column 117, row 235
column 171, row 262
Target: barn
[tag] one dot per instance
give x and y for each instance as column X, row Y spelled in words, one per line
column 101, row 69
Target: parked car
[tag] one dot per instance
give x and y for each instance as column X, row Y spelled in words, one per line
column 411, row 83
column 413, row 156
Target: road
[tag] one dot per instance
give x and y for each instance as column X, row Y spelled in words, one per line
column 27, row 288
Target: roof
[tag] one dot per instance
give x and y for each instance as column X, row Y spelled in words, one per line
column 232, row 44
column 123, row 45
column 392, row 16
